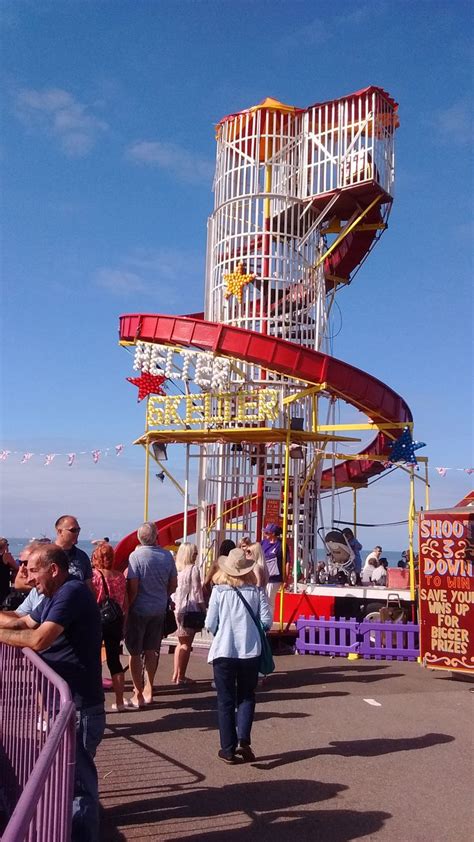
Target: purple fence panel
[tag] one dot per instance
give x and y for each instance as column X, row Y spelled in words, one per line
column 382, row 641
column 326, row 637
column 389, row 641
column 37, row 749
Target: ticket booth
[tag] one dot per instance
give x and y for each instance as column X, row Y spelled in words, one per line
column 446, row 592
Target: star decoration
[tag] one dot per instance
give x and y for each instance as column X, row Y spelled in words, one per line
column 148, row 384
column 236, row 281
column 403, row 449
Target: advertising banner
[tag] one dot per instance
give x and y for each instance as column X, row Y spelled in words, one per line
column 447, row 590
column 273, row 495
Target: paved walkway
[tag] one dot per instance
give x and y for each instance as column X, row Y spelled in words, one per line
column 346, row 750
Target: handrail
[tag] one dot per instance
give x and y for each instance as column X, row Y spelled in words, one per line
column 24, row 811
column 39, row 761
column 61, row 686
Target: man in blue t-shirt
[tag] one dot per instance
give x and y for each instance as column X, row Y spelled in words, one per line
column 65, row 629
column 67, row 536
column 151, row 578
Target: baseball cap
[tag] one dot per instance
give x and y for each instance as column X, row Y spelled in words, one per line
column 272, row 529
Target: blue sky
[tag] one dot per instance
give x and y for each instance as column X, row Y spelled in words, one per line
column 107, row 159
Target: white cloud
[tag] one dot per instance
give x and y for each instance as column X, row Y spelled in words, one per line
column 181, row 163
column 168, row 263
column 164, row 271
column 107, row 498
column 454, row 124
column 120, row 281
column 58, row 114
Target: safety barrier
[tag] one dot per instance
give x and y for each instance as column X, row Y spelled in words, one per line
column 37, row 749
column 389, row 641
column 368, row 639
column 326, row 637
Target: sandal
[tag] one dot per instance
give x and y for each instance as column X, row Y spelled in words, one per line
column 131, row 703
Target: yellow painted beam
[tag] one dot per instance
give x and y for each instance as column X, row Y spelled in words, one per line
column 259, row 435
column 346, row 231
column 166, row 472
column 336, row 227
column 326, row 428
column 311, row 390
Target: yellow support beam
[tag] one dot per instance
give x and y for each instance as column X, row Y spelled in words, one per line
column 346, row 231
column 311, row 390
column 336, row 227
column 166, row 472
column 328, row 428
column 252, row 435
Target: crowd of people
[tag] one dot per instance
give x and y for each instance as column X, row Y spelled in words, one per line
column 67, row 607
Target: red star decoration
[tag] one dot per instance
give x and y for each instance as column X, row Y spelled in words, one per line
column 148, row 384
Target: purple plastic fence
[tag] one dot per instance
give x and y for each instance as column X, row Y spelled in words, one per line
column 383, row 641
column 389, row 641
column 37, row 749
column 326, row 637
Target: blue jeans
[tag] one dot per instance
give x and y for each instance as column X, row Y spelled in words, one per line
column 235, row 680
column 90, row 725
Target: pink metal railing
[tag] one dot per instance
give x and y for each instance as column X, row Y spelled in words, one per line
column 37, row 749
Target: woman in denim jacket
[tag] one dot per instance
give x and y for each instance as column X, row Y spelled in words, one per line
column 235, row 650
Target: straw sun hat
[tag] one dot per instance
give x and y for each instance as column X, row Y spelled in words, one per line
column 236, row 563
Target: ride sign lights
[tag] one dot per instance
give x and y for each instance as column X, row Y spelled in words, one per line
column 222, row 402
column 207, row 370
column 213, row 409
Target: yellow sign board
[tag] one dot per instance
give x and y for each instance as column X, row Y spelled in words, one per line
column 213, row 409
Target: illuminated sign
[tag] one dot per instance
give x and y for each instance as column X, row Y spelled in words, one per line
column 207, row 370
column 213, row 409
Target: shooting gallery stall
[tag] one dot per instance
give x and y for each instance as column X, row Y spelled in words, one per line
column 446, row 593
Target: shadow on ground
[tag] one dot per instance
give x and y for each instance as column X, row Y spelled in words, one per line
column 271, row 810
column 354, row 748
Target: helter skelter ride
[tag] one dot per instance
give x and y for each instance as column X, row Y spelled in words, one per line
column 249, row 386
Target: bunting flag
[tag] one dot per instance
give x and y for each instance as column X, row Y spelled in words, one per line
column 443, row 471
column 28, row 455
column 148, row 384
column 403, row 448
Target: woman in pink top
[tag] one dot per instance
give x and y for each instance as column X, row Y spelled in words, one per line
column 102, row 564
column 188, row 597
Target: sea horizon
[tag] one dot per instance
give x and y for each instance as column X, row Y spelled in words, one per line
column 16, row 545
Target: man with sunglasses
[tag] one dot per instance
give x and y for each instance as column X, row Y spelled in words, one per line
column 67, row 536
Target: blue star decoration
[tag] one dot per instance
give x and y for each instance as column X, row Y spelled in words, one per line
column 403, row 449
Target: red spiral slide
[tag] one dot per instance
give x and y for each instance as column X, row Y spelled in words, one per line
column 343, row 380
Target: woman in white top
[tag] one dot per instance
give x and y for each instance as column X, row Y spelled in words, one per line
column 235, row 650
column 188, row 597
column 255, row 552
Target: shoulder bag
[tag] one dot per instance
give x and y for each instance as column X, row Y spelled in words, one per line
column 266, row 664
column 170, row 625
column 110, row 610
column 193, row 618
